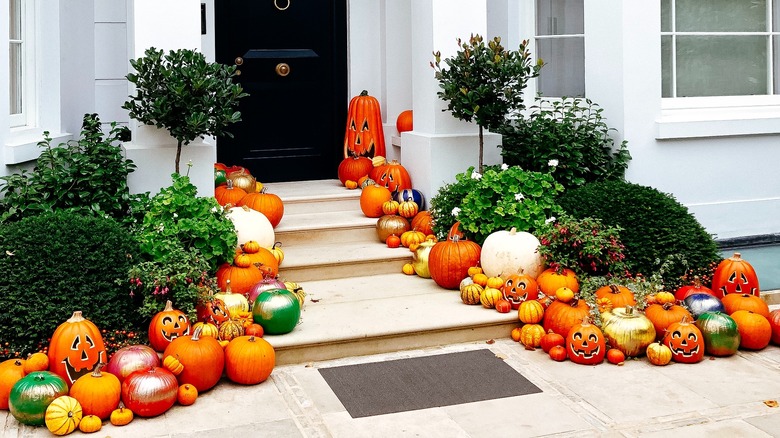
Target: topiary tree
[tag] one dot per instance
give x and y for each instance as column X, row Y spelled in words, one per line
column 484, row 83
column 660, row 235
column 56, row 263
column 185, row 94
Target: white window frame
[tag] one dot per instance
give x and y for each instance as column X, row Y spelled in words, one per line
column 537, row 37
column 27, row 88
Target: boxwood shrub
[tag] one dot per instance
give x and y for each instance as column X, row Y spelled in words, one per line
column 660, row 235
column 56, row 263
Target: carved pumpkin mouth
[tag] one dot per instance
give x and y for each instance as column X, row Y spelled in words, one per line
column 682, row 350
column 74, row 373
column 585, row 353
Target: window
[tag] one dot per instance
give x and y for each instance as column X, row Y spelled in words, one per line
column 21, row 65
column 560, row 42
column 720, row 48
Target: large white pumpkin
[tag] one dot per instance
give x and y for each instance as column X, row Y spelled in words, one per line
column 511, row 252
column 252, row 225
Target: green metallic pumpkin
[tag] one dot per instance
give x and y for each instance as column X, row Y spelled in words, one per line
column 720, row 333
column 277, row 310
column 32, row 394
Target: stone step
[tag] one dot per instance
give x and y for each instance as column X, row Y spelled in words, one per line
column 329, row 227
column 302, row 197
column 374, row 314
column 318, row 261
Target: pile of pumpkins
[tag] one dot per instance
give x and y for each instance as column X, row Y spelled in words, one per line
column 74, row 386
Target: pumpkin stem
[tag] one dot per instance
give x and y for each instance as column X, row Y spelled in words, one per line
column 76, row 317
column 364, row 93
column 277, row 245
column 96, row 372
column 168, row 306
column 227, row 287
column 196, row 334
column 667, row 306
column 696, row 281
column 736, row 257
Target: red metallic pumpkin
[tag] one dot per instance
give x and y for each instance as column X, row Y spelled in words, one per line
column 695, row 288
column 76, row 347
column 150, row 392
column 364, row 135
column 167, row 325
column 735, row 275
column 774, row 322
column 131, row 358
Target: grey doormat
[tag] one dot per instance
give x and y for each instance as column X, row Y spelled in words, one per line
column 424, row 382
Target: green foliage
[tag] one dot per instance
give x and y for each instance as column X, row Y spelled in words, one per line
column 88, row 176
column 484, row 83
column 178, row 219
column 570, row 131
column 180, row 276
column 498, row 199
column 585, row 246
column 56, row 263
column 185, row 94
column 658, row 231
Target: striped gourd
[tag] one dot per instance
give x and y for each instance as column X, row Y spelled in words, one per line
column 229, row 330
column 531, row 312
column 470, row 293
column 489, row 297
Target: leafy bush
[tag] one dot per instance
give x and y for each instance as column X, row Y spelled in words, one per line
column 585, row 246
column 88, row 176
column 498, row 199
column 571, row 132
column 658, row 231
column 56, row 263
column 178, row 218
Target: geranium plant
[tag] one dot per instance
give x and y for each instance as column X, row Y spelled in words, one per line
column 185, row 94
column 500, row 198
column 484, row 83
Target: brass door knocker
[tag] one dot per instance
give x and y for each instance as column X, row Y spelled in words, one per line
column 276, row 3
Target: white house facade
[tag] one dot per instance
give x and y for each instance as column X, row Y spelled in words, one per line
column 703, row 128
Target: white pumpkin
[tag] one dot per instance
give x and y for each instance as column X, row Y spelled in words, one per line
column 511, row 252
column 252, row 225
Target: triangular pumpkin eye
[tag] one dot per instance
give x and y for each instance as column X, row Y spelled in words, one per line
column 352, row 125
column 76, row 343
column 365, row 125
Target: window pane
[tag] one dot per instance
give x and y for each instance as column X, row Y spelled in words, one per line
column 666, row 66
column 15, row 28
column 559, row 17
column 721, row 65
column 666, row 16
column 776, row 63
column 720, row 15
column 564, row 71
column 15, row 79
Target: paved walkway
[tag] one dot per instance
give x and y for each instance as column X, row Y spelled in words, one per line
column 723, row 397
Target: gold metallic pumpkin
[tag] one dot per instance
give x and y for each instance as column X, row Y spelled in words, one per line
column 628, row 330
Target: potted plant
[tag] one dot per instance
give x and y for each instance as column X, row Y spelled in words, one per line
column 185, row 94
column 484, row 83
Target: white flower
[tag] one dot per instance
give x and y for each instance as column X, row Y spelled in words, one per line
column 476, row 175
column 456, row 211
column 550, row 220
column 214, row 209
column 175, row 215
column 552, row 163
column 519, row 197
column 161, row 228
column 504, row 166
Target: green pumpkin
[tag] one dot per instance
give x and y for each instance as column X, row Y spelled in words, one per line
column 220, row 177
column 277, row 310
column 720, row 333
column 32, row 394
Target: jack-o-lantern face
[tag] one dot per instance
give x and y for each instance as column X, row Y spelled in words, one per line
column 76, row 347
column 173, row 326
column 364, row 135
column 585, row 344
column 735, row 276
column 686, row 342
column 213, row 310
column 85, row 353
column 519, row 288
column 167, row 325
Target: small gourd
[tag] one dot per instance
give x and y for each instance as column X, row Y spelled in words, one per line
column 121, row 416
column 90, row 424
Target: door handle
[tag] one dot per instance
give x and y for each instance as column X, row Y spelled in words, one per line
column 282, row 69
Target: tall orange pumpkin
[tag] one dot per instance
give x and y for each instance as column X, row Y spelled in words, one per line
column 735, row 275
column 167, row 325
column 449, row 261
column 392, row 175
column 364, row 135
column 249, row 360
column 269, row 204
column 372, row 198
column 203, row 359
column 76, row 347
column 354, row 168
column 98, row 393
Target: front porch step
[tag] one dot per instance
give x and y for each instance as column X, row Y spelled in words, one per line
column 308, row 262
column 329, row 227
column 315, row 196
column 382, row 313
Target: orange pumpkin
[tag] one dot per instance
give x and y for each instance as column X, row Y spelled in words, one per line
column 753, row 303
column 561, row 317
column 202, row 357
column 241, row 278
column 423, row 222
column 186, row 394
column 11, row 371
column 404, row 122
column 755, row 332
column 585, row 344
column 249, row 360
column 664, row 315
column 76, row 347
column 551, row 280
column 518, row 288
column 735, row 275
column 392, row 175
column 211, row 309
column 449, row 261
column 412, row 237
column 227, row 194
column 372, row 198
column 98, row 393
column 686, row 342
column 364, row 135
column 268, row 263
column 620, row 296
column 167, row 325
column 408, row 209
column 269, row 204
column 390, row 207
column 36, row 362
column 354, row 168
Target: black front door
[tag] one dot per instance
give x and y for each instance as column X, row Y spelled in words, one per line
column 292, row 58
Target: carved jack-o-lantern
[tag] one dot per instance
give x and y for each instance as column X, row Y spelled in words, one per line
column 166, row 326
column 585, row 344
column 686, row 342
column 213, row 310
column 365, row 136
column 735, row 275
column 518, row 288
column 75, row 348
